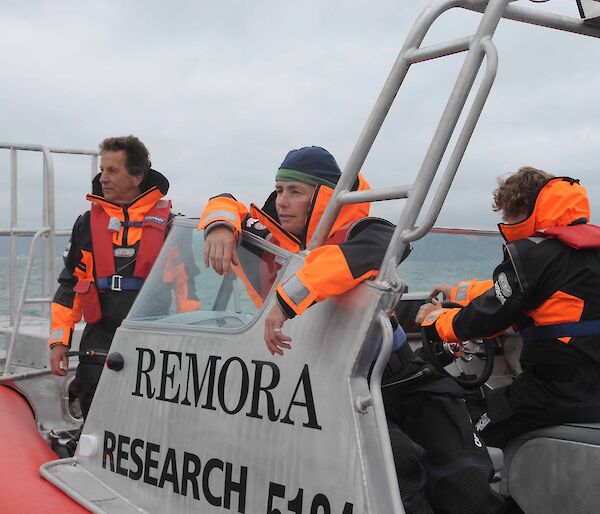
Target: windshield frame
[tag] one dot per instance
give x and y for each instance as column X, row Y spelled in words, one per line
column 182, row 221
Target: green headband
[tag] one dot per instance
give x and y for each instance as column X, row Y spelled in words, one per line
column 288, row 175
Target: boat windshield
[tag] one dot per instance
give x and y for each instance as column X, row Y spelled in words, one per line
column 446, row 256
column 181, row 290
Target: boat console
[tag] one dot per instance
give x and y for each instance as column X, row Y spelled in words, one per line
column 202, row 418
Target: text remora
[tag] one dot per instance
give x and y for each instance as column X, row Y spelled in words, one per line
column 238, row 387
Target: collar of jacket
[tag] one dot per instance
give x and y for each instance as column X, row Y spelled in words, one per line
column 152, row 179
column 154, row 186
column 561, row 201
column 348, row 215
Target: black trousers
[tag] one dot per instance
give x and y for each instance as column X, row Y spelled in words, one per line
column 96, row 337
column 456, row 461
column 84, row 385
column 412, row 477
column 532, row 402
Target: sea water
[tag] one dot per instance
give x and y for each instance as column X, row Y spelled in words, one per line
column 436, row 259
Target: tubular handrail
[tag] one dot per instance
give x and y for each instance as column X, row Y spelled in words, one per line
column 31, row 232
column 13, row 239
column 374, row 195
column 379, row 410
column 411, row 53
column 436, row 51
column 22, row 300
column 28, row 374
column 378, row 115
column 49, row 246
column 42, row 299
column 92, row 506
column 48, row 216
column 402, row 237
column 446, row 126
column 539, row 18
column 51, row 149
column 465, row 231
column 461, row 144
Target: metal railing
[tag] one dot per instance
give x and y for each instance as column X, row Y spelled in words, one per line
column 387, row 333
column 23, row 299
column 47, row 233
column 477, row 46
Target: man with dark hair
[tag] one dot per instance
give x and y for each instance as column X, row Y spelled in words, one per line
column 111, row 251
column 137, row 157
column 547, row 287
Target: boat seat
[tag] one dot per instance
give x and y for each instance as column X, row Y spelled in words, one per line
column 555, row 469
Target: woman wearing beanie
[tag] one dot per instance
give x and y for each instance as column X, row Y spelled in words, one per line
column 304, row 184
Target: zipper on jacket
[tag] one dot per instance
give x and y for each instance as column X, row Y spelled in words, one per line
column 125, row 227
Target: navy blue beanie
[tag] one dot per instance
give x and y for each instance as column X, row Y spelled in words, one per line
column 312, row 165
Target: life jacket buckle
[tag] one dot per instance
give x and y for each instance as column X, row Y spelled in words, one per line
column 115, row 282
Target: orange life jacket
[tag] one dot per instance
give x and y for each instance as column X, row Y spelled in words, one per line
column 153, row 234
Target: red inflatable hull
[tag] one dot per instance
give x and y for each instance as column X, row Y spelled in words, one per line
column 22, row 452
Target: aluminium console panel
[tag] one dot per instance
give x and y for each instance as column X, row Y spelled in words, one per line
column 209, row 421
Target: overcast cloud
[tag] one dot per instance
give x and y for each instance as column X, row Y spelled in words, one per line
column 219, row 91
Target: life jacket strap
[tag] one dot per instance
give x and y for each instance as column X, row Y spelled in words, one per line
column 119, row 283
column 575, row 329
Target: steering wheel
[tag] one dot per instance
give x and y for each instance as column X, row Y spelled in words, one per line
column 470, row 363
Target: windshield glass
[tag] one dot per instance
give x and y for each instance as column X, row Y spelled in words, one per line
column 181, row 290
column 447, row 258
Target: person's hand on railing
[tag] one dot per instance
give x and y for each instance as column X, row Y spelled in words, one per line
column 58, row 356
column 220, row 250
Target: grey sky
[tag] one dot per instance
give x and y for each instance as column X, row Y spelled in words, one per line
column 219, row 91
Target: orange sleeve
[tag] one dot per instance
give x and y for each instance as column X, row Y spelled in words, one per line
column 325, row 273
column 441, row 321
column 63, row 322
column 466, row 290
column 224, row 209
